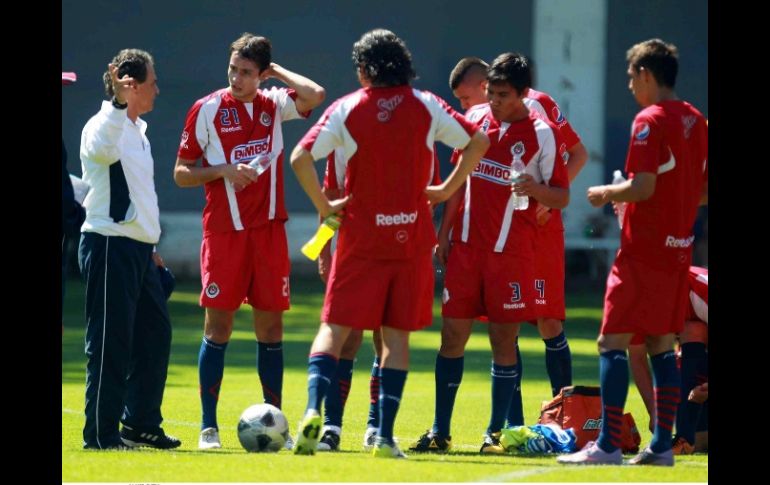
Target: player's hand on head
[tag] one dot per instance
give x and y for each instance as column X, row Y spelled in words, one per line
column 268, row 72
column 122, row 87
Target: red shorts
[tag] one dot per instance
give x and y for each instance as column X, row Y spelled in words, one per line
column 251, row 264
column 479, row 282
column 549, row 274
column 367, row 293
column 643, row 300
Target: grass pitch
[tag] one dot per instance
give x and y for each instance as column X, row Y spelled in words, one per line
column 240, row 389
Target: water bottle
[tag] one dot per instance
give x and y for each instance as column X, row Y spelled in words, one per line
column 617, row 178
column 520, row 203
column 261, row 162
column 325, row 231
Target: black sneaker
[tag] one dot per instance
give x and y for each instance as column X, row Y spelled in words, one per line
column 431, row 443
column 330, row 441
column 155, row 439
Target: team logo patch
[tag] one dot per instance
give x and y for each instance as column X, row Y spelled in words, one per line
column 265, row 119
column 185, row 136
column 641, row 131
column 557, row 116
column 518, row 149
column 445, row 295
column 563, row 152
column 387, row 106
column 402, row 236
column 212, row 290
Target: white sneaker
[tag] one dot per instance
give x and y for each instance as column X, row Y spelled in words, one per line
column 591, row 454
column 209, row 439
column 369, row 438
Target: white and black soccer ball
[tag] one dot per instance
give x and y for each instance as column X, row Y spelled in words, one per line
column 263, row 427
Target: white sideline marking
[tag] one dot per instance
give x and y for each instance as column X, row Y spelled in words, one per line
column 507, row 477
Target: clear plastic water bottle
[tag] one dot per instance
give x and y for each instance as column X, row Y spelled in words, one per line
column 520, row 203
column 312, row 248
column 617, row 178
column 261, row 162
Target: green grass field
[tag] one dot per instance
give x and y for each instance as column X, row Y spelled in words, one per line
column 240, row 388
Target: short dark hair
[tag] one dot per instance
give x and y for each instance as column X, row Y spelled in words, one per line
column 255, row 48
column 133, row 62
column 384, row 58
column 512, row 68
column 661, row 59
column 466, row 66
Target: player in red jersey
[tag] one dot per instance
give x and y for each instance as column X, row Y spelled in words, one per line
column 490, row 262
column 383, row 254
column 647, row 288
column 468, row 84
column 693, row 346
column 236, row 132
column 339, row 388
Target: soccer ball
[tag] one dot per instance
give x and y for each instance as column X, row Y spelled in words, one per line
column 263, row 427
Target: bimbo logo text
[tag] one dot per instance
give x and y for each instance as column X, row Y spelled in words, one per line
column 248, row 151
column 493, row 172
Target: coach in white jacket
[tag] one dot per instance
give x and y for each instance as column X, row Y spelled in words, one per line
column 128, row 335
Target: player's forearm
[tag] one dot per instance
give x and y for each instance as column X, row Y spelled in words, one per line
column 450, row 212
column 309, row 93
column 331, row 194
column 578, row 156
column 302, row 164
column 553, row 197
column 469, row 159
column 189, row 175
column 637, row 189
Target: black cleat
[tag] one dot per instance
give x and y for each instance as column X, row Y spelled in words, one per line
column 431, row 443
column 156, row 438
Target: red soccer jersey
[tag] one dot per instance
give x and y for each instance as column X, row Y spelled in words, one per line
column 221, row 129
column 546, row 107
column 334, row 178
column 669, row 139
column 387, row 135
column 486, row 218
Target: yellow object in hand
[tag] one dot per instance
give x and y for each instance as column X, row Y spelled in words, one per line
column 325, row 232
